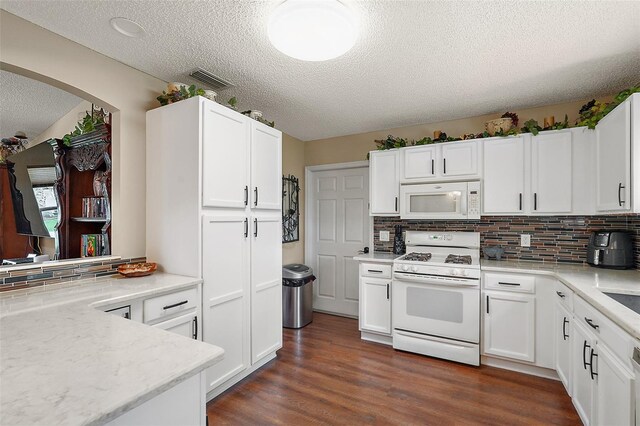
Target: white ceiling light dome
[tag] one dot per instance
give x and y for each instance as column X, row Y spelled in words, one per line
column 313, row 30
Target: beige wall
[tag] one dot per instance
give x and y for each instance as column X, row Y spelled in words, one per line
column 355, row 147
column 34, row 52
column 63, row 126
column 293, row 163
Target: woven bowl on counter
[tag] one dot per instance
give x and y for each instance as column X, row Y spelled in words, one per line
column 137, row 269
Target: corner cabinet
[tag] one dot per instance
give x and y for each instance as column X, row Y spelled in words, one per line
column 613, row 160
column 214, row 212
column 384, row 175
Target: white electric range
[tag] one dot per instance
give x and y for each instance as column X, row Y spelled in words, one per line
column 436, row 296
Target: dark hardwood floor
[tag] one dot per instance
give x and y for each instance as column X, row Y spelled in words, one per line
column 325, row 374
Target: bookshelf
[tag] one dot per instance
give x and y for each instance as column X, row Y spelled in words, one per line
column 83, row 187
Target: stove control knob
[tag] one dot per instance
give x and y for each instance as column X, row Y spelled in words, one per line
column 405, row 268
column 454, row 272
column 465, row 273
column 414, row 269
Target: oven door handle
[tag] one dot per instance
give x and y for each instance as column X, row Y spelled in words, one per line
column 470, row 282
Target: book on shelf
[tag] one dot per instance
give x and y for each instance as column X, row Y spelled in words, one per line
column 94, row 245
column 94, row 207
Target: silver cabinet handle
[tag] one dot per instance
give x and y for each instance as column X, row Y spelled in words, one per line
column 620, row 187
column 255, row 193
column 255, row 228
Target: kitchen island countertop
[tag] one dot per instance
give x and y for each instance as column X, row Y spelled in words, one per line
column 64, row 361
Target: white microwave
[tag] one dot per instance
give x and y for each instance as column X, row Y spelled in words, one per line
column 455, row 200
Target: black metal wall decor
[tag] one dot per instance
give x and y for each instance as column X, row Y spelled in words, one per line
column 290, row 209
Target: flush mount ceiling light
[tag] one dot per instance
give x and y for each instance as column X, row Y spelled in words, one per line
column 127, row 27
column 313, row 30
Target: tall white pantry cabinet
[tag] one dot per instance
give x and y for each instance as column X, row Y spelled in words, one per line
column 214, row 196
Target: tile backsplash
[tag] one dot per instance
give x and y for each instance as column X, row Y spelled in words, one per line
column 553, row 238
column 52, row 273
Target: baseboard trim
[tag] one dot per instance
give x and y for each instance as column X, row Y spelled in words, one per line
column 532, row 370
column 335, row 313
column 376, row 338
column 237, row 378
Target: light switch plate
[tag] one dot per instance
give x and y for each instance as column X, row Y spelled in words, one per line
column 384, row 235
column 525, row 240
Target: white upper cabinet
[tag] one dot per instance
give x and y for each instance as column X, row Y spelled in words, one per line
column 418, row 163
column 266, row 157
column 384, row 170
column 459, row 159
column 503, row 191
column 613, row 160
column 225, row 150
column 551, row 172
column 446, row 161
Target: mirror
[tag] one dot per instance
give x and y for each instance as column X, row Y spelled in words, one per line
column 55, row 193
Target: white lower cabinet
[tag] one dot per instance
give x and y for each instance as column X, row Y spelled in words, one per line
column 375, row 304
column 583, row 378
column 509, row 325
column 615, row 390
column 563, row 338
column 266, row 286
column 184, row 325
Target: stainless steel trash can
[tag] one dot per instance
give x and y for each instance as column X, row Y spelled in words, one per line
column 297, row 295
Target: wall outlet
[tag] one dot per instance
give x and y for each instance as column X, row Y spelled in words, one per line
column 525, row 240
column 384, row 235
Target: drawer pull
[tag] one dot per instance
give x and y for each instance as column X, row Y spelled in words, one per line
column 590, row 322
column 561, row 294
column 511, row 284
column 374, row 270
column 175, row 305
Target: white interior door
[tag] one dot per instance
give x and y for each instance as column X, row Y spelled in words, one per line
column 339, row 227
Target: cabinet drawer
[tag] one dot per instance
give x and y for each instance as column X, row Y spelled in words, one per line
column 170, row 304
column 564, row 295
column 510, row 282
column 376, row 270
column 615, row 338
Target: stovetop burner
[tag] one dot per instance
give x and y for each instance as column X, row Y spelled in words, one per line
column 458, row 260
column 417, row 257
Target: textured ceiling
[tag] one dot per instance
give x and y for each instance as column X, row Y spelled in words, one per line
column 414, row 62
column 30, row 106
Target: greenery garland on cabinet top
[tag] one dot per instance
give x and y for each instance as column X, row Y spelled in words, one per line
column 590, row 114
column 87, row 125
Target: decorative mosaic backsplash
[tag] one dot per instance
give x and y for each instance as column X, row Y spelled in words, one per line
column 52, row 273
column 553, row 238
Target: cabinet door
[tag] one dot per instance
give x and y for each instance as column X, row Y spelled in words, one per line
column 509, row 325
column 385, row 182
column 184, row 325
column 266, row 167
column 551, row 168
column 613, row 160
column 562, row 337
column 418, row 163
column 225, row 157
column 503, row 176
column 375, row 305
column 615, row 391
column 225, row 304
column 460, row 159
column 583, row 383
column 266, row 286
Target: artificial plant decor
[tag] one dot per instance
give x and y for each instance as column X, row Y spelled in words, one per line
column 86, row 125
column 592, row 112
column 175, row 94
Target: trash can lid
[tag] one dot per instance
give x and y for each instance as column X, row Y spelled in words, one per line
column 296, row 271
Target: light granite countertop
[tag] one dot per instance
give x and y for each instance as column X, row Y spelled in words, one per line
column 377, row 256
column 587, row 282
column 64, row 361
